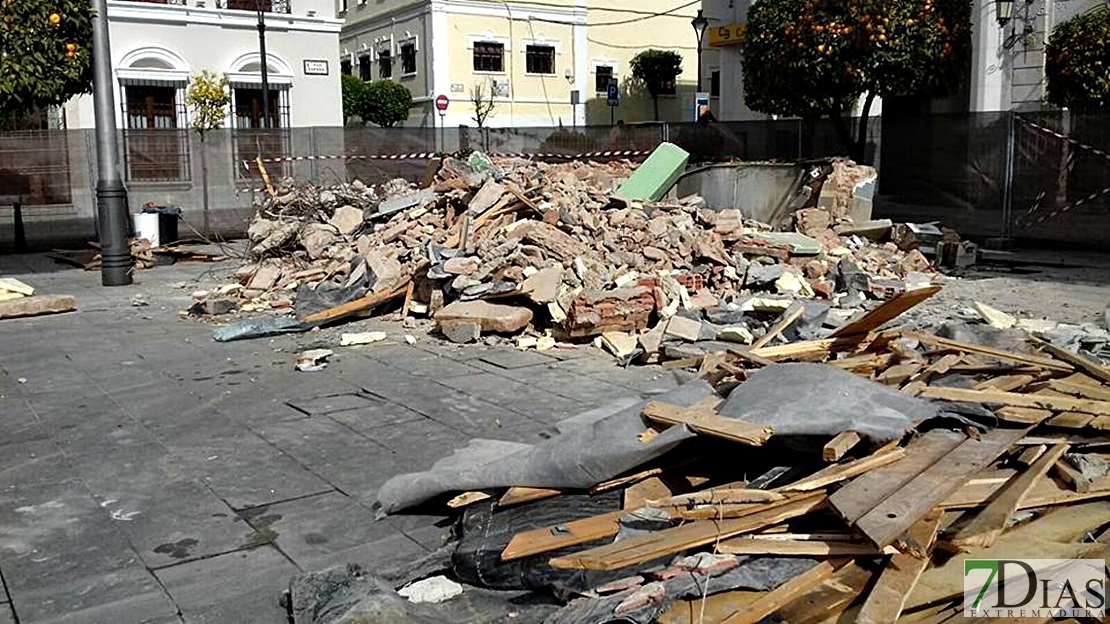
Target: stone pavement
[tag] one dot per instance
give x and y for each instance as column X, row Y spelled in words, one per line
column 149, row 474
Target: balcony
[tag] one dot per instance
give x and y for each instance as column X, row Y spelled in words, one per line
column 269, row 6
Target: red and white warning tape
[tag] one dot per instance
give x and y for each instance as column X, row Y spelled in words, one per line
column 432, row 155
column 1065, row 208
column 1027, row 220
column 1064, row 137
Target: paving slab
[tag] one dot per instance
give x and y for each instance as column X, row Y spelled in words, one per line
column 382, row 554
column 516, row 358
column 314, row 527
column 418, row 362
column 468, row 414
column 328, row 404
column 243, row 586
column 61, row 556
column 519, row 397
column 7, row 616
column 379, row 412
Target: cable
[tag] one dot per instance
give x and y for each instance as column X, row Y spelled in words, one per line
column 637, row 47
column 669, row 13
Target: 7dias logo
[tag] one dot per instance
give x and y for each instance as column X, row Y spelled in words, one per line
column 1034, row 588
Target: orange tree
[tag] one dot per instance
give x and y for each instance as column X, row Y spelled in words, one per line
column 817, row 58
column 1077, row 62
column 45, row 53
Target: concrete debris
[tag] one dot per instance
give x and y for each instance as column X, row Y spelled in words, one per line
column 215, row 306
column 313, row 360
column 994, row 317
column 364, row 338
column 431, row 590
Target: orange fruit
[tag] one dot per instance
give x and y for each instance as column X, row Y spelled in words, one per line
column 55, row 19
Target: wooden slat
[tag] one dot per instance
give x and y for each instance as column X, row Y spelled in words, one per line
column 1022, row 415
column 351, row 308
column 778, row 328
column 828, row 602
column 706, row 421
column 572, row 533
column 835, row 448
column 1100, row 423
column 888, row 597
column 857, row 498
column 811, row 348
column 786, row 593
column 889, row 310
column 1046, row 492
column 1006, row 383
column 1030, row 455
column 1101, row 373
column 989, row 523
column 641, row 549
column 468, row 498
column 517, row 495
column 899, row 373
column 1061, row 404
column 842, row 472
column 1097, row 393
column 998, row 354
column 801, row 548
column 1070, row 420
column 891, row 518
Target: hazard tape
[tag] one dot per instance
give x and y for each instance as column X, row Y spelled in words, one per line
column 433, row 155
column 1027, row 221
column 1063, row 137
column 1075, row 204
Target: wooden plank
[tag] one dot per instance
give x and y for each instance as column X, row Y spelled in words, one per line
column 709, row 609
column 1101, row 373
column 786, row 593
column 1059, row 404
column 1072, row 477
column 899, row 373
column 888, row 597
column 857, row 498
column 721, row 496
column 644, row 548
column 1070, row 420
column 36, row 306
column 778, row 328
column 351, row 308
column 988, row 524
column 809, row 349
column 572, row 533
column 891, row 518
column 1022, row 415
column 408, row 299
column 889, row 310
column 1006, row 383
column 1097, row 393
column 842, row 472
column 998, row 354
column 827, row 602
column 1030, row 455
column 940, row 367
column 863, row 363
column 517, row 495
column 468, row 498
column 638, row 494
column 802, row 548
column 706, row 421
column 835, row 448
column 1101, row 423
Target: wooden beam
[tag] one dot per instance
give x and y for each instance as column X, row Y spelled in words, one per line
column 1070, row 420
column 517, row 495
column 842, row 472
column 351, row 308
column 705, row 421
column 835, row 448
column 989, row 523
column 1040, row 401
column 899, row 373
column 811, row 348
column 644, row 548
column 857, row 498
column 888, row 597
column 889, row 310
column 1091, row 368
column 1006, row 383
column 891, row 518
column 998, row 354
column 778, row 328
column 572, row 533
column 1022, row 415
column 1097, row 393
column 802, row 548
column 786, row 593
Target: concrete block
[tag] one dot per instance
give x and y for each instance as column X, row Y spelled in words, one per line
column 656, row 175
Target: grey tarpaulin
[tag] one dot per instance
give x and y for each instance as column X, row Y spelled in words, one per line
column 259, row 328
column 816, row 399
column 586, row 452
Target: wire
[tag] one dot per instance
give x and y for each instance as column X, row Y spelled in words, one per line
column 633, row 20
column 636, row 47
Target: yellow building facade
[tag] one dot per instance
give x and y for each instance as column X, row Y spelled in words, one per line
column 534, row 59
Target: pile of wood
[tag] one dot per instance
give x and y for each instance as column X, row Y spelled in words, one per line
column 888, row 525
column 549, row 252
column 18, row 299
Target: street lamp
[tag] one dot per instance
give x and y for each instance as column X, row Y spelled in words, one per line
column 263, row 65
column 111, row 195
column 700, row 24
column 1004, row 10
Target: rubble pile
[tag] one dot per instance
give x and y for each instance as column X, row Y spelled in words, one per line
column 840, row 479
column 558, row 253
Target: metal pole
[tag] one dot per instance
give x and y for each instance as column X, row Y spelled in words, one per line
column 699, row 64
column 1008, row 188
column 263, row 65
column 111, row 196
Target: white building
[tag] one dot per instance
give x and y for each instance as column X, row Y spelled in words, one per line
column 157, row 45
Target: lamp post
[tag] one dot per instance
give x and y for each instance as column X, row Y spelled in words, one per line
column 111, row 195
column 1004, row 11
column 700, row 24
column 263, row 64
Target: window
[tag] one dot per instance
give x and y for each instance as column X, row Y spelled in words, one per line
column 602, row 75
column 156, row 149
column 385, row 64
column 248, row 109
column 345, row 67
column 667, row 88
column 408, row 58
column 540, row 59
column 365, row 68
column 489, row 57
column 715, row 83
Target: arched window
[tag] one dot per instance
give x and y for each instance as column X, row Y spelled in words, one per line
column 152, row 83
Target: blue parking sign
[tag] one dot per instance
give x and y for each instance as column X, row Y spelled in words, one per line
column 613, row 93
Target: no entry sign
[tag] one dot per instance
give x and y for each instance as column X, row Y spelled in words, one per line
column 442, row 102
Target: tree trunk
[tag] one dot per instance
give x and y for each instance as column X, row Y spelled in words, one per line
column 844, row 134
column 855, row 144
column 204, row 183
column 861, row 130
column 655, row 105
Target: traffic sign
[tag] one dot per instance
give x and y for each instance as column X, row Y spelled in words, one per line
column 442, row 102
column 613, row 94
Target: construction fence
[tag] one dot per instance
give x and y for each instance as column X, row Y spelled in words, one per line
column 1042, row 177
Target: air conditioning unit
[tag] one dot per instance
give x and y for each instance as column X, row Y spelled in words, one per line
column 499, row 88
